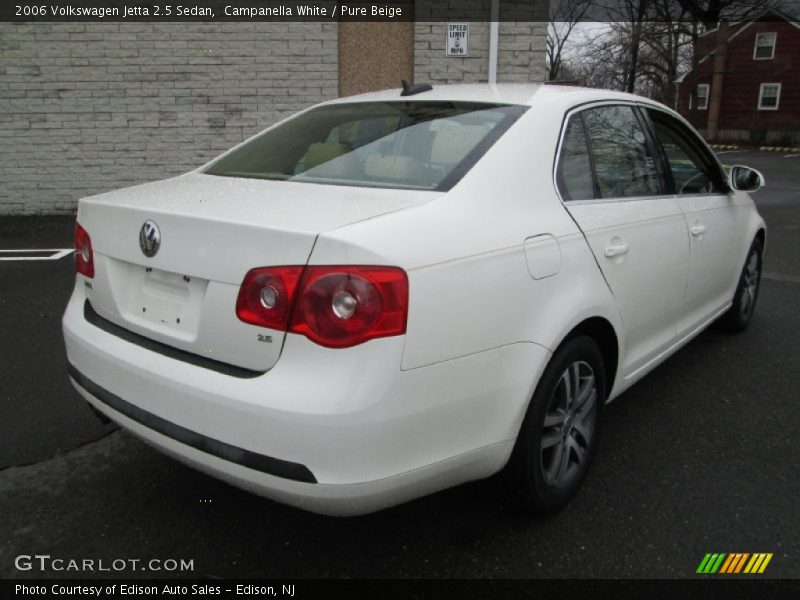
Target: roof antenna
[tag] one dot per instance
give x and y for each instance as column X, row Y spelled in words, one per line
column 410, row 89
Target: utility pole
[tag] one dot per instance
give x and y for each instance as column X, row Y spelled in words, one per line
column 717, row 81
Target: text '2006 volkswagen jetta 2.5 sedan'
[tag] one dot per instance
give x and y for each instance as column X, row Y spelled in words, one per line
column 394, row 293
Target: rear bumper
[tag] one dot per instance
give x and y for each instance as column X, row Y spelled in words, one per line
column 223, row 450
column 333, row 431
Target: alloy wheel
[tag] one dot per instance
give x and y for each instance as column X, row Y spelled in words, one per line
column 751, row 281
column 569, row 424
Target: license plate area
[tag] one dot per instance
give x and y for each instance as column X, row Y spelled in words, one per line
column 170, row 303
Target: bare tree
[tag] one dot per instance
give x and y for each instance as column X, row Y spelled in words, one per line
column 711, row 12
column 637, row 12
column 666, row 50
column 600, row 61
column 629, row 17
column 648, row 43
column 564, row 15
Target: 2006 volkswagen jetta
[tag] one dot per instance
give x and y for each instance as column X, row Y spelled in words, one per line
column 390, row 294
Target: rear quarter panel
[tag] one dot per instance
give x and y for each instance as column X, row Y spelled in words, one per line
column 470, row 287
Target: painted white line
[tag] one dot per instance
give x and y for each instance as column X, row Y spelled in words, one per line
column 729, row 151
column 58, row 253
column 791, row 155
column 781, row 277
column 27, row 250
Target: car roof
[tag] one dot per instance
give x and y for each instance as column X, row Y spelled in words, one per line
column 528, row 94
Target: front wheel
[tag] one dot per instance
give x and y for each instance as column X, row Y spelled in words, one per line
column 741, row 311
column 558, row 437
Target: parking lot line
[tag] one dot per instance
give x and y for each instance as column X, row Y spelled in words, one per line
column 781, row 277
column 35, row 254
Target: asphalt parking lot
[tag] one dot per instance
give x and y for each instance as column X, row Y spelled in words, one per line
column 701, row 456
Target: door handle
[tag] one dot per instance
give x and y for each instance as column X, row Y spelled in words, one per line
column 616, row 250
column 698, row 230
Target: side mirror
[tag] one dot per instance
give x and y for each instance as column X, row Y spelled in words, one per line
column 745, row 179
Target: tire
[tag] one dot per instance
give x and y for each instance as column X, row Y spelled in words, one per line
column 551, row 459
column 741, row 311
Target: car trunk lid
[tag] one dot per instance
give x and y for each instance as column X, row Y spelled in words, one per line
column 212, row 231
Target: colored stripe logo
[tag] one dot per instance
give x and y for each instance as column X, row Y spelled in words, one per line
column 734, row 563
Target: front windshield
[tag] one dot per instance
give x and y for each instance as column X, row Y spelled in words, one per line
column 407, row 145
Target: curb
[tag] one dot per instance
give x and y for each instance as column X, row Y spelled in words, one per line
column 724, row 147
column 789, row 149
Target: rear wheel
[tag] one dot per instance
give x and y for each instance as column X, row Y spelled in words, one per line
column 741, row 311
column 558, row 437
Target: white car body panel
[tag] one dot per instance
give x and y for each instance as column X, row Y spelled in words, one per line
column 543, row 256
column 649, row 280
column 717, row 225
column 500, row 272
column 359, row 419
column 215, row 230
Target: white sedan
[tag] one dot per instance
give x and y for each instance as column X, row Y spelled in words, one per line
column 390, row 294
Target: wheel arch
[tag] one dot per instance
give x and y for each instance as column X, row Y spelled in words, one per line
column 761, row 235
column 599, row 329
column 605, row 336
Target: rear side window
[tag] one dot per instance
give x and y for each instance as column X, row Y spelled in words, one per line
column 406, row 145
column 623, row 160
column 605, row 153
column 574, row 174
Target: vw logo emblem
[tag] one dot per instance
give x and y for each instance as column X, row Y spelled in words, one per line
column 149, row 238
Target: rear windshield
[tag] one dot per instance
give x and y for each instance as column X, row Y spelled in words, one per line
column 407, row 145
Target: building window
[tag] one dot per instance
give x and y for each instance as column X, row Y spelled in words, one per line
column 769, row 96
column 701, row 95
column 765, row 46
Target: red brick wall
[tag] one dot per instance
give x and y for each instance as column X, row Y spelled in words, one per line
column 743, row 77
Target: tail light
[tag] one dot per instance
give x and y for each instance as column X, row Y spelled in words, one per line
column 84, row 257
column 267, row 295
column 334, row 306
column 345, row 306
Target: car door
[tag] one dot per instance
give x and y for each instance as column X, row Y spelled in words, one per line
column 612, row 183
column 716, row 222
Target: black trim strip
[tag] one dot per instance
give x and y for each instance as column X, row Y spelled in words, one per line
column 513, row 113
column 234, row 454
column 193, row 359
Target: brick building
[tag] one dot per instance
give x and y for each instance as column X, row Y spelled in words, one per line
column 759, row 83
column 88, row 107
